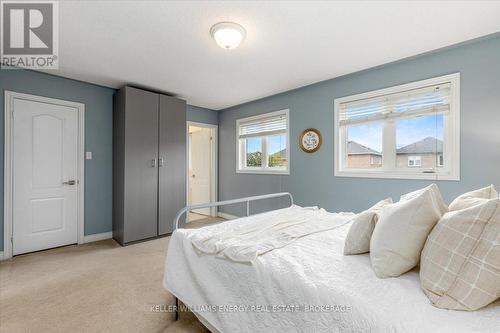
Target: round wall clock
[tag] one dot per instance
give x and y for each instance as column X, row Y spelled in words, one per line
column 310, row 140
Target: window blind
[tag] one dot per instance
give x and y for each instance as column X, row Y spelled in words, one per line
column 261, row 127
column 428, row 100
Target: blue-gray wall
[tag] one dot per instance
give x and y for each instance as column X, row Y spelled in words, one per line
column 312, row 181
column 98, row 137
column 202, row 115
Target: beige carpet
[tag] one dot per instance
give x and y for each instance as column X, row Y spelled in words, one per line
column 195, row 216
column 96, row 287
column 203, row 222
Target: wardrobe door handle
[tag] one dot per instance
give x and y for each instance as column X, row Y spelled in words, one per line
column 160, row 162
column 153, row 163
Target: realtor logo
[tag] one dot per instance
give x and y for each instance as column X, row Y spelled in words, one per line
column 29, row 34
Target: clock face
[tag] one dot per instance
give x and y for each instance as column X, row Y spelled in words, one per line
column 310, row 140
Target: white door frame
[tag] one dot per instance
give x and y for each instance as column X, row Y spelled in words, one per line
column 214, row 159
column 9, row 98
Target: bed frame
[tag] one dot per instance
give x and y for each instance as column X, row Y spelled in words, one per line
column 247, row 200
column 230, row 202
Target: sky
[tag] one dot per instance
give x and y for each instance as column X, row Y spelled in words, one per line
column 407, row 131
column 275, row 144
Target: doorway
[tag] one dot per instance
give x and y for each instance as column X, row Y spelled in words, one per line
column 202, row 169
column 44, row 146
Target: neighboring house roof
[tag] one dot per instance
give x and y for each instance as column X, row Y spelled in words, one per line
column 428, row 145
column 281, row 154
column 354, row 148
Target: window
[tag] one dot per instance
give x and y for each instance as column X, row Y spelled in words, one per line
column 414, row 161
column 262, row 144
column 440, row 160
column 376, row 160
column 362, row 154
column 410, row 131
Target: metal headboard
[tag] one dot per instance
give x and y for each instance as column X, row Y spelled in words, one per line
column 229, row 202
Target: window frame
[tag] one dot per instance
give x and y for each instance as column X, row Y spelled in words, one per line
column 415, row 159
column 440, row 160
column 451, row 137
column 264, row 170
column 378, row 160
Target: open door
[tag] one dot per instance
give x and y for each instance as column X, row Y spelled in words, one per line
column 201, row 168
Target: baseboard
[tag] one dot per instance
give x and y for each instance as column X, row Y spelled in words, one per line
column 86, row 239
column 97, row 237
column 227, row 216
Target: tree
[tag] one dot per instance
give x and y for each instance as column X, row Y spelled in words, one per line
column 254, row 159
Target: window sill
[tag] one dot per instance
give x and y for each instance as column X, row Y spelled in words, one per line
column 264, row 172
column 398, row 175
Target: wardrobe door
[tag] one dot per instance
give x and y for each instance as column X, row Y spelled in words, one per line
column 141, row 164
column 118, row 165
column 172, row 161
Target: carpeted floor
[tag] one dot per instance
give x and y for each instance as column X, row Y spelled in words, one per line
column 95, row 287
column 198, row 223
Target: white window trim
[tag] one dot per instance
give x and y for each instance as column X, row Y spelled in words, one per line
column 451, row 134
column 264, row 170
column 439, row 164
column 415, row 158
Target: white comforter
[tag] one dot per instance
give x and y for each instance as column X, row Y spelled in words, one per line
column 243, row 242
column 312, row 271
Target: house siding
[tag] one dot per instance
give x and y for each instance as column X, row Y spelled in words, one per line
column 362, row 161
column 427, row 160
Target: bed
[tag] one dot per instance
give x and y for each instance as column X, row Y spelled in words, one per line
column 306, row 286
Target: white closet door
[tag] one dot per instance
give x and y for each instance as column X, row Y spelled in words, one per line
column 45, row 148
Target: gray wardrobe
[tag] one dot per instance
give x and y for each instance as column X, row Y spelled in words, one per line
column 149, row 163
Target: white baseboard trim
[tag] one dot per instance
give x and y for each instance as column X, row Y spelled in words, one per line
column 227, row 216
column 86, row 239
column 97, row 237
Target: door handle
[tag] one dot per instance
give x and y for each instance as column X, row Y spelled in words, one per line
column 153, row 163
column 160, row 162
column 70, row 182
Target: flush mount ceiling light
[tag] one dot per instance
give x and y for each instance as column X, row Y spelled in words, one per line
column 228, row 35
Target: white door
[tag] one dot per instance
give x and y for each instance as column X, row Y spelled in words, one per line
column 44, row 183
column 200, row 168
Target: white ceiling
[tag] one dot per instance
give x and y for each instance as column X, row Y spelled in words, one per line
column 166, row 45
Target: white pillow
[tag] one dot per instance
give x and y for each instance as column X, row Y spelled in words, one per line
column 435, row 192
column 401, row 231
column 473, row 198
column 360, row 232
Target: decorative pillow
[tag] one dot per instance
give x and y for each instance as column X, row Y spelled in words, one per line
column 401, row 231
column 360, row 233
column 460, row 265
column 472, row 198
column 435, row 192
